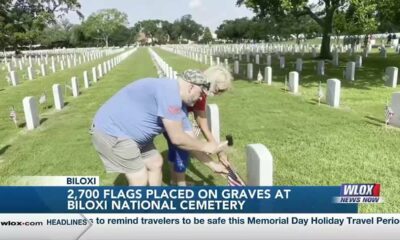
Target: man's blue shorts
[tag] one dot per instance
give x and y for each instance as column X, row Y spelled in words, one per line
column 178, row 157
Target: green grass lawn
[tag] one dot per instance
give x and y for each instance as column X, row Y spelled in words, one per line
column 311, row 144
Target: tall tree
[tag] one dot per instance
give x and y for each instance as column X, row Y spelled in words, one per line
column 156, row 30
column 104, row 23
column 207, row 36
column 23, row 20
column 321, row 11
column 188, row 28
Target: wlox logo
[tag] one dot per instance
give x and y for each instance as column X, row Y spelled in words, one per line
column 359, row 193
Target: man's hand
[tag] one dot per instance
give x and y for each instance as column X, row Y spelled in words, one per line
column 223, row 158
column 217, row 167
column 213, row 148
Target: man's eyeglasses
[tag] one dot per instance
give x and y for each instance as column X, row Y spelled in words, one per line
column 204, row 86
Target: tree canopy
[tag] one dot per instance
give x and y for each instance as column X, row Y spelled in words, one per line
column 104, row 23
column 363, row 14
column 22, row 21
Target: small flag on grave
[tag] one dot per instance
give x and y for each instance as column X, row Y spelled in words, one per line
column 233, row 177
column 259, row 77
column 389, row 113
column 13, row 116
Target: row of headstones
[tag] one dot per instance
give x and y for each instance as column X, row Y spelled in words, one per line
column 259, row 158
column 253, row 49
column 333, row 89
column 30, row 104
column 222, row 49
column 14, row 63
column 349, row 73
column 245, row 48
column 14, row 79
column 87, row 55
column 166, row 69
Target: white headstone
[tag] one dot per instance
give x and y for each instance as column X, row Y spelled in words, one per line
column 58, row 97
column 350, row 71
column 75, row 87
column 391, row 76
column 294, row 82
column 358, row 61
column 53, row 65
column 20, row 65
column 395, row 120
column 236, row 67
column 282, row 62
column 333, row 92
column 31, row 113
column 213, row 120
column 94, row 74
column 10, row 67
column 299, row 64
column 268, row 75
column 31, row 73
column 321, row 68
column 269, row 60
column 249, row 71
column 43, row 70
column 259, row 165
column 336, row 59
column 62, row 65
column 257, row 59
column 100, row 71
column 14, row 78
column 105, row 69
column 86, row 79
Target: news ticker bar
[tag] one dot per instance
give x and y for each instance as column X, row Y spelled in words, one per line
column 205, row 199
column 204, row 226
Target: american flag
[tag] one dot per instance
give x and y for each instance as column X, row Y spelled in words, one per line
column 13, row 116
column 233, row 178
column 43, row 100
column 259, row 77
column 388, row 114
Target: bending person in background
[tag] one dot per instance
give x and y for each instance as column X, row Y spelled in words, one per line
column 124, row 128
column 220, row 80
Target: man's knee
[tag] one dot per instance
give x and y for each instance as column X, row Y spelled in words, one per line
column 138, row 178
column 154, row 163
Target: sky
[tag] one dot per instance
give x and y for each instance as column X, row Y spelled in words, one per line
column 209, row 13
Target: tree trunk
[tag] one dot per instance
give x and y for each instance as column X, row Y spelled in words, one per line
column 325, row 52
column 327, row 29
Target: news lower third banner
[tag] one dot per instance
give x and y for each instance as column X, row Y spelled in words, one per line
column 173, row 200
column 284, row 212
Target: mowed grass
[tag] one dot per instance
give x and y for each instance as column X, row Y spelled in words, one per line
column 62, row 145
column 13, row 96
column 314, row 144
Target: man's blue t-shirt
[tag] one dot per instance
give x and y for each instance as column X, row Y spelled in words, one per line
column 136, row 110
